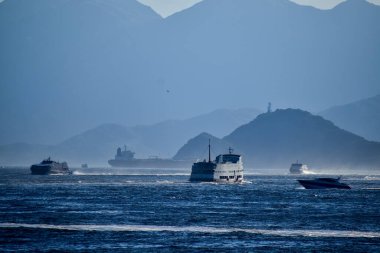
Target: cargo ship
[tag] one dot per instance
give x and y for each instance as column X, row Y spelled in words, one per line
column 125, row 159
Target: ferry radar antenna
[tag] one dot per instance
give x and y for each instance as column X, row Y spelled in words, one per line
column 209, row 151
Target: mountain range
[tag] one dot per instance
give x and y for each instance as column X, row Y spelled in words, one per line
column 97, row 145
column 361, row 117
column 69, row 65
column 272, row 140
column 277, row 139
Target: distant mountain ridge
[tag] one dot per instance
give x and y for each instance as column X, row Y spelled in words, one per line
column 196, row 148
column 361, row 117
column 275, row 140
column 78, row 64
column 63, row 58
column 99, row 144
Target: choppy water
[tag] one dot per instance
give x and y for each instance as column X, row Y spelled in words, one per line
column 99, row 211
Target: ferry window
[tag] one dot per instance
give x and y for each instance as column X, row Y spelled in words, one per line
column 229, row 158
column 231, row 176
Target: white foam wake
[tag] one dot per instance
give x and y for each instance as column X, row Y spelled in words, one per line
column 371, row 178
column 198, row 229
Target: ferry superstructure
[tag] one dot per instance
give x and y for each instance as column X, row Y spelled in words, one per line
column 229, row 168
column 49, row 167
column 298, row 168
column 226, row 168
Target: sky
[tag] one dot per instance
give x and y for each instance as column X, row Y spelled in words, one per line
column 168, row 7
column 177, row 69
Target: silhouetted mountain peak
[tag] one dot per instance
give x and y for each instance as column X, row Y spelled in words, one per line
column 354, row 4
column 205, row 135
column 276, row 139
column 282, row 122
column 197, row 147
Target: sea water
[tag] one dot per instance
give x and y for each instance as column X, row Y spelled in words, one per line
column 106, row 210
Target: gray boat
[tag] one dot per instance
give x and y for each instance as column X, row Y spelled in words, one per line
column 49, row 167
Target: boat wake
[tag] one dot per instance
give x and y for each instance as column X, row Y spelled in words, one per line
column 199, row 229
column 371, row 178
column 309, row 172
column 80, row 173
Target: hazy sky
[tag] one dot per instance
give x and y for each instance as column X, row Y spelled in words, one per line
column 168, row 7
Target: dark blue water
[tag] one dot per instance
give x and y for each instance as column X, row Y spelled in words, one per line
column 167, row 213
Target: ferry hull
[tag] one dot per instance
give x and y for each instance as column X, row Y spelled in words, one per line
column 40, row 170
column 220, row 171
column 229, row 173
column 202, row 172
column 37, row 169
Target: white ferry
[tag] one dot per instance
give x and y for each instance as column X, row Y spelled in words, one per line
column 226, row 168
column 298, row 168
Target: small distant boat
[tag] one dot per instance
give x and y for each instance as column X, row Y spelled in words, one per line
column 84, row 166
column 298, row 168
column 323, row 183
column 49, row 167
column 226, row 168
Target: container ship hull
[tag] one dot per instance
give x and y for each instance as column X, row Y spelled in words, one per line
column 149, row 163
column 125, row 159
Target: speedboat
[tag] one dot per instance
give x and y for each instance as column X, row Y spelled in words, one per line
column 323, row 183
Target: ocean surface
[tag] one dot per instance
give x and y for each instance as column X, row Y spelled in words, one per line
column 153, row 211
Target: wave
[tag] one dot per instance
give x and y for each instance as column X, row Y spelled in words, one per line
column 371, row 178
column 165, row 182
column 309, row 172
column 199, row 229
column 224, row 183
column 80, row 173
